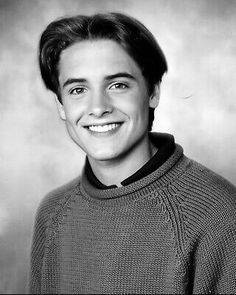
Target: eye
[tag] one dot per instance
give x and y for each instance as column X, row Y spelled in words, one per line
column 78, row 91
column 118, row 86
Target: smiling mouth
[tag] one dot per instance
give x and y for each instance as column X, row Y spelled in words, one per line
column 104, row 128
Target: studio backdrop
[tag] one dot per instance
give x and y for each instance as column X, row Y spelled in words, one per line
column 197, row 104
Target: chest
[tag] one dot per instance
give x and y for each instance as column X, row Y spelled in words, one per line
column 111, row 250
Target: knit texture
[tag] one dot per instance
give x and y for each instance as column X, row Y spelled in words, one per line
column 172, row 232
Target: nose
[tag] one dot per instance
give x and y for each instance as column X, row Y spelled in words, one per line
column 99, row 104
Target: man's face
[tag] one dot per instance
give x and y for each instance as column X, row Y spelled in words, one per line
column 105, row 99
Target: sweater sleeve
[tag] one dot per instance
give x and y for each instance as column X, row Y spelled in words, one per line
column 215, row 258
column 37, row 252
column 216, row 262
column 208, row 210
column 48, row 209
column 42, row 221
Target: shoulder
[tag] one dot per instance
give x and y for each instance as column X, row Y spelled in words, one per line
column 49, row 207
column 202, row 209
column 207, row 206
column 207, row 200
column 208, row 186
column 55, row 200
column 199, row 187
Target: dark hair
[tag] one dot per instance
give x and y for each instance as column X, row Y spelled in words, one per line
column 128, row 32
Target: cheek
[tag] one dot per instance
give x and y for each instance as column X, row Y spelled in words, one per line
column 135, row 102
column 139, row 105
column 73, row 113
column 141, row 111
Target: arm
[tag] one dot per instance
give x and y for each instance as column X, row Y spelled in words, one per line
column 53, row 203
column 37, row 250
column 215, row 262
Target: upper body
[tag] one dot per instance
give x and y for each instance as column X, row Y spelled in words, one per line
column 143, row 218
column 172, row 231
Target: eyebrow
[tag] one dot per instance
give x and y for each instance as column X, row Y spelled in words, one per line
column 120, row 75
column 107, row 78
column 73, row 80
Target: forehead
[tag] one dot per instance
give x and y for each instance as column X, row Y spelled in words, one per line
column 95, row 57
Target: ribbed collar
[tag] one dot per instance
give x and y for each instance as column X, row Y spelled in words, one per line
column 165, row 175
column 165, row 144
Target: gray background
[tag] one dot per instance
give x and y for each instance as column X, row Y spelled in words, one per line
column 197, row 105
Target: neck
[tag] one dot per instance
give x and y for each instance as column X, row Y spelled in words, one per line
column 116, row 170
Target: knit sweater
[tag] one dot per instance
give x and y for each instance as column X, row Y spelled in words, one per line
column 171, row 232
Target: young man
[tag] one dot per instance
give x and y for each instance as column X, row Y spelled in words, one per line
column 142, row 218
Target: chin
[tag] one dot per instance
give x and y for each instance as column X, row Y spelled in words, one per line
column 103, row 156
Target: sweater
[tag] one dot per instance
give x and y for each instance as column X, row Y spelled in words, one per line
column 171, row 232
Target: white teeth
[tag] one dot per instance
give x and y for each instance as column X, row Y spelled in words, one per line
column 103, row 128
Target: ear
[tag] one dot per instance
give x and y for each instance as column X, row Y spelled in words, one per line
column 155, row 97
column 60, row 108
